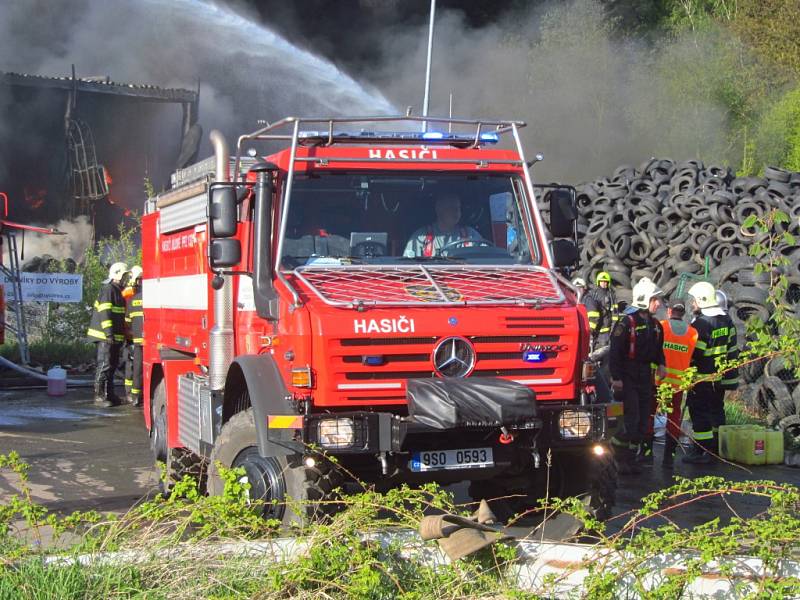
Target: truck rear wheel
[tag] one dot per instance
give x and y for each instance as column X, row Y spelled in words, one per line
column 292, row 493
column 178, row 461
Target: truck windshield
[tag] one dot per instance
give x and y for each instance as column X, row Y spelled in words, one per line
column 398, row 218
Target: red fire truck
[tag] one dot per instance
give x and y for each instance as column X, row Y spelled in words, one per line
column 387, row 296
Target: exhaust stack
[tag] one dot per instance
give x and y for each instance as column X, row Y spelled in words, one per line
column 221, row 334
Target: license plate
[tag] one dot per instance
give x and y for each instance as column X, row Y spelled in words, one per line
column 465, row 458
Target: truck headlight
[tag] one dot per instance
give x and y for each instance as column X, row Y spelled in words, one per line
column 574, row 424
column 336, row 433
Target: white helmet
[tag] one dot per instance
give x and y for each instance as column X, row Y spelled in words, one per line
column 643, row 291
column 117, row 271
column 579, row 282
column 136, row 273
column 722, row 300
column 704, row 294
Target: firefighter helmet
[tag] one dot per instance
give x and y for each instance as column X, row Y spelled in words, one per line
column 136, row 274
column 603, row 276
column 643, row 292
column 117, row 271
column 579, row 282
column 704, row 294
column 722, row 300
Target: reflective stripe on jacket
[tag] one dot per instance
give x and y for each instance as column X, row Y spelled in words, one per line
column 134, row 318
column 108, row 316
column 716, row 339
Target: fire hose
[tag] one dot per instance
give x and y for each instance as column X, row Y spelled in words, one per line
column 41, row 376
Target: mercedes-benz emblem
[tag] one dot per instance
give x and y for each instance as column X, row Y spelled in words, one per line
column 454, row 357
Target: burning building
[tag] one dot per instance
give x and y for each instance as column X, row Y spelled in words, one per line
column 72, row 146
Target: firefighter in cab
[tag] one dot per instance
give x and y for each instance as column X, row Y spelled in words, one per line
column 107, row 331
column 680, row 339
column 636, row 347
column 716, row 341
column 134, row 317
column 602, row 310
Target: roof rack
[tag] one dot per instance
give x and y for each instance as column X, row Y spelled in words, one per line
column 480, row 131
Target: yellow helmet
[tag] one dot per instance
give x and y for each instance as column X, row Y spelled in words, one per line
column 603, row 276
column 704, row 294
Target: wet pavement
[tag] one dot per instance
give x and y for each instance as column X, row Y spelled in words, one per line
column 81, row 456
column 84, row 457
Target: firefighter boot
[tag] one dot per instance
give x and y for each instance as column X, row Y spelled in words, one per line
column 100, row 395
column 698, row 454
column 644, row 454
column 111, row 395
column 670, row 445
column 626, row 461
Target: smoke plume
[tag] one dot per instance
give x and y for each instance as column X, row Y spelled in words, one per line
column 592, row 100
column 71, row 242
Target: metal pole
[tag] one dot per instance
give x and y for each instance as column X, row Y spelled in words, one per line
column 450, row 115
column 428, row 67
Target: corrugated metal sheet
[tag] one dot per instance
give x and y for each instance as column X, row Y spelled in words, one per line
column 183, row 214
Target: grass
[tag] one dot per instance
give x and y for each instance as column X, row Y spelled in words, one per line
column 50, row 353
column 177, row 540
column 736, row 413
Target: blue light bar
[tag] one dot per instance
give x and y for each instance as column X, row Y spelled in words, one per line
column 440, row 137
column 534, row 357
column 372, row 361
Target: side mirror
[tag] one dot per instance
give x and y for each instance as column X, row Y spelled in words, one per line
column 563, row 212
column 222, row 210
column 565, row 253
column 225, row 253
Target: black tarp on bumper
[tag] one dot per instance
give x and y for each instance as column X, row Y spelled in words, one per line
column 472, row 402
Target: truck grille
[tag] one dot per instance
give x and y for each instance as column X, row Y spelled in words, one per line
column 374, row 370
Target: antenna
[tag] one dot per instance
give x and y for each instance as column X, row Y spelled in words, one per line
column 428, row 67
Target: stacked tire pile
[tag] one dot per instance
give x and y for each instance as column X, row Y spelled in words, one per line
column 665, row 219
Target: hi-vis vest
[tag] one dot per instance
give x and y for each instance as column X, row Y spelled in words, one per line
column 680, row 340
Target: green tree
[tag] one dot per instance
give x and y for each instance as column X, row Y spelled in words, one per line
column 772, row 28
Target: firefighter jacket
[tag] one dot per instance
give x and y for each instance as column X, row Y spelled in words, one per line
column 716, row 338
column 108, row 318
column 680, row 339
column 134, row 318
column 602, row 310
column 636, row 342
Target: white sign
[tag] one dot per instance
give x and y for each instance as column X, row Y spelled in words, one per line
column 47, row 287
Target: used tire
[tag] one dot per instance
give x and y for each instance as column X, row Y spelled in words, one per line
column 779, row 399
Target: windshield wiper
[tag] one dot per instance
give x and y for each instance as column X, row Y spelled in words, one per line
column 303, row 260
column 431, row 258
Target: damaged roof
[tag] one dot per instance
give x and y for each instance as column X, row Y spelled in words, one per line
column 100, row 86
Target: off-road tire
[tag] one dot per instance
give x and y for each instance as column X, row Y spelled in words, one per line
column 302, row 495
column 508, row 497
column 599, row 483
column 178, row 461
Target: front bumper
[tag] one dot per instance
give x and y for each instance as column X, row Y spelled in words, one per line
column 375, row 432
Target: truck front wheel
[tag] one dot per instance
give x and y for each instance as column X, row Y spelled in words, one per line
column 291, row 493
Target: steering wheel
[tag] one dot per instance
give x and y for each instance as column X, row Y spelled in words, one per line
column 368, row 249
column 465, row 243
